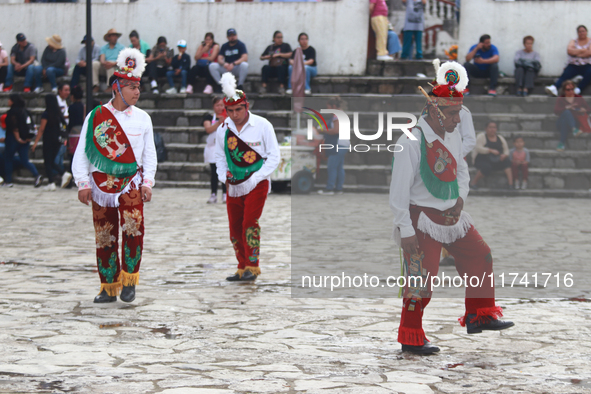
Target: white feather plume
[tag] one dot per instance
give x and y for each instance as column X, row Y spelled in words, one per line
column 436, row 64
column 137, row 56
column 228, row 83
column 457, row 67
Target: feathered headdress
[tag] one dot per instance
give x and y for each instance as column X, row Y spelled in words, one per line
column 131, row 64
column 450, row 82
column 233, row 95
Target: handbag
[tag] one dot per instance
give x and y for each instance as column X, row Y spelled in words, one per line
column 584, row 122
column 276, row 61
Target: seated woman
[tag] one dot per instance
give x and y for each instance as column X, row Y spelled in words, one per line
column 207, row 52
column 579, row 63
column 527, row 66
column 491, row 154
column 277, row 55
column 309, row 63
column 573, row 113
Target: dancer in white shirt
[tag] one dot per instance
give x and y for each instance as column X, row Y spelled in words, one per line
column 114, row 167
column 429, row 186
column 247, row 153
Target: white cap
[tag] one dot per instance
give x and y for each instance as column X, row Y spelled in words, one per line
column 181, row 43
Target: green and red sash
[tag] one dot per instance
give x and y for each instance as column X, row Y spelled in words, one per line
column 243, row 161
column 109, row 150
column 438, row 169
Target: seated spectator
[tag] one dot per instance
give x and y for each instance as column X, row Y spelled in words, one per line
column 22, row 56
column 207, row 52
column 414, row 24
column 527, row 66
column 138, row 44
column 579, row 63
column 181, row 64
column 572, row 111
column 491, row 154
column 81, row 65
column 233, row 58
column 309, row 63
column 53, row 61
column 3, row 66
column 277, row 55
column 486, row 63
column 159, row 62
column 394, row 47
column 109, row 53
column 378, row 11
column 519, row 157
column 19, row 132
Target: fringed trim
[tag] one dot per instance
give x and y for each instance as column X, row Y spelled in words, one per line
column 445, row 234
column 111, row 200
column 240, row 272
column 113, row 289
column 412, row 336
column 129, row 279
column 483, row 315
column 255, row 270
column 243, row 188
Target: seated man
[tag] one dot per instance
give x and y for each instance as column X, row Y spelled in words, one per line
column 486, row 63
column 81, row 65
column 181, row 64
column 233, row 58
column 109, row 53
column 53, row 61
column 3, row 66
column 22, row 57
column 579, row 63
column 159, row 62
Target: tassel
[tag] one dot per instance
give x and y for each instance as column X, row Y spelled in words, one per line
column 240, row 272
column 253, row 270
column 445, row 234
column 483, row 315
column 113, row 289
column 129, row 279
column 412, row 336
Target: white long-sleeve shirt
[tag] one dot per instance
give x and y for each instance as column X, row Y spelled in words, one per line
column 466, row 128
column 407, row 186
column 137, row 126
column 260, row 136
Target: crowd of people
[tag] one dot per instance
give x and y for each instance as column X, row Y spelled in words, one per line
column 211, row 60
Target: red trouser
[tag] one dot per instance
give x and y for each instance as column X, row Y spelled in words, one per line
column 516, row 167
column 473, row 258
column 245, row 233
column 130, row 214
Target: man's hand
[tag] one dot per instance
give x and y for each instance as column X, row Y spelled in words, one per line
column 18, row 67
column 81, row 63
column 410, row 245
column 85, row 196
column 456, row 210
column 177, row 71
column 478, row 60
column 229, row 66
column 146, row 194
column 479, row 46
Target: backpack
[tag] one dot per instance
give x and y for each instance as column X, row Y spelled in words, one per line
column 161, row 153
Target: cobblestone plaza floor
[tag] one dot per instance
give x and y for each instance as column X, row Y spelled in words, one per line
column 189, row 331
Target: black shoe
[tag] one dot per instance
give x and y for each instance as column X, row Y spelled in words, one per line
column 427, row 348
column 128, row 293
column 38, row 181
column 248, row 276
column 233, row 278
column 104, row 297
column 488, row 324
column 448, row 261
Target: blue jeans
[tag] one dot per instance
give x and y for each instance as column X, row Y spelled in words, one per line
column 52, row 73
column 336, row 170
column 170, row 76
column 12, row 147
column 28, row 73
column 59, row 159
column 393, row 43
column 407, row 43
column 566, row 123
column 572, row 71
column 311, row 72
